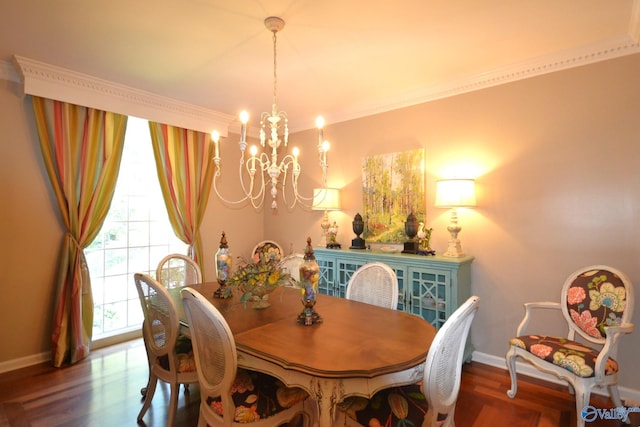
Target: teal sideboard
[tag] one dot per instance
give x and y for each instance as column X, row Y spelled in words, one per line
column 429, row 286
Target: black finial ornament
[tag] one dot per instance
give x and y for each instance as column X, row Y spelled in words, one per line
column 358, row 228
column 411, row 229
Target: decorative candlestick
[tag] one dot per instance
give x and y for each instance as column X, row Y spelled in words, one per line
column 309, row 277
column 223, row 267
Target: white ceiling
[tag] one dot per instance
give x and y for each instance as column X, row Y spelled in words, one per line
column 340, row 58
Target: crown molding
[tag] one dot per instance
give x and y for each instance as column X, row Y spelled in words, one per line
column 59, row 83
column 602, row 51
column 62, row 84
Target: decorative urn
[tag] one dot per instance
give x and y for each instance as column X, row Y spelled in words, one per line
column 411, row 229
column 358, row 228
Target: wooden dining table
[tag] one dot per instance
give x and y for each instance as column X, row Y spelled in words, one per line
column 357, row 349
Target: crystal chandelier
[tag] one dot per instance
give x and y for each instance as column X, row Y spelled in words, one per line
column 259, row 172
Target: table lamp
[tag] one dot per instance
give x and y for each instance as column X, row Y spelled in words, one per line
column 325, row 199
column 455, row 193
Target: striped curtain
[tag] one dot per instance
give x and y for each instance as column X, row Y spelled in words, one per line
column 184, row 161
column 82, row 149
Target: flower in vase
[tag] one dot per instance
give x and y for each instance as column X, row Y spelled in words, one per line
column 257, row 279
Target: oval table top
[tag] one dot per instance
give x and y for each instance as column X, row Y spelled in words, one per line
column 354, row 339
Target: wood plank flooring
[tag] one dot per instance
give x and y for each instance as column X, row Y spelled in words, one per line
column 105, row 391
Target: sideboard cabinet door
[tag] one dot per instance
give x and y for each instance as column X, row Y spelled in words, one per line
column 429, row 286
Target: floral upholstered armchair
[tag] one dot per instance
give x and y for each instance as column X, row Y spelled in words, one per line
column 597, row 304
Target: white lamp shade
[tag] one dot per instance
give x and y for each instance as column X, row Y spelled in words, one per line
column 453, row 193
column 326, row 199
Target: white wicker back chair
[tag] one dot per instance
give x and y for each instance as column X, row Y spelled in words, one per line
column 291, row 264
column 168, row 352
column 443, row 369
column 403, row 405
column 217, row 363
column 374, row 283
column 177, row 270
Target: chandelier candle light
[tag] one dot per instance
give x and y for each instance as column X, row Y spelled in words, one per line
column 455, row 193
column 265, row 169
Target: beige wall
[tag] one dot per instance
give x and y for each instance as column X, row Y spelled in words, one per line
column 557, row 164
column 555, row 158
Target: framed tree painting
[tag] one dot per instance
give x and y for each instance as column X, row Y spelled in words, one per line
column 392, row 187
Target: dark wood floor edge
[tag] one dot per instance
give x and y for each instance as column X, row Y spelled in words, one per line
column 629, row 395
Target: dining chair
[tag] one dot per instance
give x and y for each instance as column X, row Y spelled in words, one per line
column 230, row 396
column 177, row 270
column 291, row 264
column 597, row 304
column 266, row 251
column 169, row 353
column 374, row 283
column 432, row 401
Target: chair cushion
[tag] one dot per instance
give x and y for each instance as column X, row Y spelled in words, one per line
column 184, row 356
column 258, row 396
column 571, row 355
column 395, row 406
column 186, row 362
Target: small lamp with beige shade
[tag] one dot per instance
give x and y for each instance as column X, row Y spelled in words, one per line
column 326, row 199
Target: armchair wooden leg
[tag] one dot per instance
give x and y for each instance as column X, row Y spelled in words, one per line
column 582, row 400
column 615, row 398
column 511, row 364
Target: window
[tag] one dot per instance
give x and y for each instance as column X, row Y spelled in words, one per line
column 135, row 236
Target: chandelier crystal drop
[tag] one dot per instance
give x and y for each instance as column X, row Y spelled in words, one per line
column 260, row 171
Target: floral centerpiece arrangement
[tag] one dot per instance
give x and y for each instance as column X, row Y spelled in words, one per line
column 256, row 280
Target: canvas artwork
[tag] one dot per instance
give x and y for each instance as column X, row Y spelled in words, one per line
column 392, row 187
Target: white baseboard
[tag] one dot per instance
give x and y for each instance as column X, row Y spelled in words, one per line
column 34, row 359
column 628, row 395
column 23, row 362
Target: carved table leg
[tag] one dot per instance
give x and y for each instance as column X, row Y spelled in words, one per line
column 327, row 394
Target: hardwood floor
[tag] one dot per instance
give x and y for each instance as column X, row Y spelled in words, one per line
column 105, row 391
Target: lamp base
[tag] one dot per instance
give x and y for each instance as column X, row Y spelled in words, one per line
column 325, row 224
column 454, row 250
